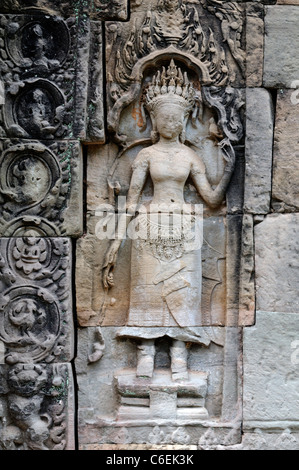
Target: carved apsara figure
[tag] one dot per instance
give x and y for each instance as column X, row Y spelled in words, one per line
column 166, row 269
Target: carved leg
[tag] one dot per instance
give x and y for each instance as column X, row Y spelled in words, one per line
column 179, row 356
column 146, row 358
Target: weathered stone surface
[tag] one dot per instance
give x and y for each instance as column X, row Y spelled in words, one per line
column 271, row 374
column 110, row 414
column 247, row 281
column 37, row 407
column 258, row 153
column 36, row 318
column 281, row 66
column 99, row 9
column 41, row 188
column 276, row 244
column 254, row 44
column 95, row 101
column 44, row 70
column 287, row 2
column 258, row 439
column 214, row 40
column 109, row 9
column 233, row 266
column 285, row 195
column 121, row 176
column 97, row 307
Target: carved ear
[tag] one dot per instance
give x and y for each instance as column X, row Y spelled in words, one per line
column 154, row 133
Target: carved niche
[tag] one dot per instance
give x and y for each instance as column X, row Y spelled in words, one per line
column 35, row 302
column 43, row 67
column 36, row 407
column 40, row 191
column 174, row 142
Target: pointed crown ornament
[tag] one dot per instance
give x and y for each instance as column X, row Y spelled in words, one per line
column 170, row 87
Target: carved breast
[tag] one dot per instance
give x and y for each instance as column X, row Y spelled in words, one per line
column 171, row 166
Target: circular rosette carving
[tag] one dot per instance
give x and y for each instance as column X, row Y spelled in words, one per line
column 34, row 258
column 37, row 41
column 29, row 174
column 36, row 110
column 29, row 325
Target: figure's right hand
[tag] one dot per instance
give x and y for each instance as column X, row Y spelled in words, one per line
column 108, row 266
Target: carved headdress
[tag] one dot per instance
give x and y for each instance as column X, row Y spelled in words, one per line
column 170, row 86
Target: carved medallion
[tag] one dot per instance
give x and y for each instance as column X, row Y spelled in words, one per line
column 37, row 109
column 36, row 187
column 38, row 42
column 35, row 307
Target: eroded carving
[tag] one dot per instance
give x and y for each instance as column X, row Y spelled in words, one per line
column 35, row 307
column 43, row 66
column 172, row 26
column 38, row 188
column 35, row 400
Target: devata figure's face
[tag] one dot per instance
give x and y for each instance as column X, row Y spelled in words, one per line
column 169, row 121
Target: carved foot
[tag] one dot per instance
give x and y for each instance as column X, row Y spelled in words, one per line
column 145, row 359
column 179, row 356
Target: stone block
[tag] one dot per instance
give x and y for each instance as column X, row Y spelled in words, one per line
column 247, row 280
column 285, row 196
column 41, row 188
column 36, row 317
column 255, row 29
column 44, row 71
column 258, row 153
column 47, row 391
column 276, row 261
column 271, row 374
column 281, row 65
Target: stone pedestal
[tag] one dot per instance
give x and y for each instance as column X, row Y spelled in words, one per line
column 160, row 397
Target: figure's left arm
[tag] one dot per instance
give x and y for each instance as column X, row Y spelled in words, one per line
column 213, row 197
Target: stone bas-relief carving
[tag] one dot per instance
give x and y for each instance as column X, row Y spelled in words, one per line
column 35, row 300
column 166, row 306
column 100, row 9
column 40, row 188
column 210, row 165
column 209, row 33
column 44, row 70
column 36, row 403
column 115, row 407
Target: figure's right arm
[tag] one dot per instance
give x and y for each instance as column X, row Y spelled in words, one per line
column 138, row 179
